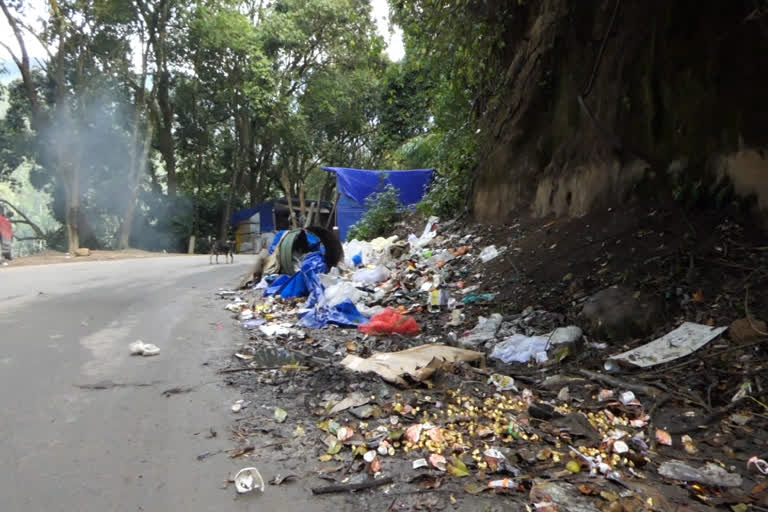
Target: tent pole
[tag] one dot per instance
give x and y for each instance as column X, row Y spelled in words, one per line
column 333, row 212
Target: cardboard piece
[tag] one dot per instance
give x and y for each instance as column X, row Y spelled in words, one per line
column 418, row 363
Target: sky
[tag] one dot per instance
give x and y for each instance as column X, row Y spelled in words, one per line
column 380, row 13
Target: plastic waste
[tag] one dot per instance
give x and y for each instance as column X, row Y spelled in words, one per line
column 440, row 258
column 505, row 483
column 485, row 330
column 248, row 479
column 139, row 348
column 344, row 290
column 357, row 259
column 475, row 297
column 457, row 318
column 374, row 275
column 369, row 311
column 381, row 244
column 275, row 329
column 390, row 322
column 498, row 462
column 709, row 474
column 426, row 237
column 489, row 253
column 136, row 348
column 520, row 348
column 280, row 415
column 759, row 464
column 502, row 382
column 254, row 323
column 437, row 299
column 343, row 315
column 678, row 343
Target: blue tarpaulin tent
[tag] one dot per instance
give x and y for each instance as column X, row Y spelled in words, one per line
column 266, row 219
column 277, row 211
column 355, row 185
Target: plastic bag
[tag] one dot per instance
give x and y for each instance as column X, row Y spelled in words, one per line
column 339, row 292
column 374, row 275
column 426, row 237
column 489, row 253
column 390, row 322
column 520, row 348
column 343, row 315
column 485, row 330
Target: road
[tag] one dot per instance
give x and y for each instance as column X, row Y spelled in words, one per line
column 84, row 425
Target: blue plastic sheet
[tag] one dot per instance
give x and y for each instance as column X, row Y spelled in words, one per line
column 276, row 240
column 358, row 184
column 357, row 259
column 277, row 285
column 343, row 315
column 355, row 185
column 265, row 211
column 307, row 282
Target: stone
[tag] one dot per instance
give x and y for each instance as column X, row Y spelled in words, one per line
column 741, row 331
column 619, row 314
column 559, row 496
column 83, row 251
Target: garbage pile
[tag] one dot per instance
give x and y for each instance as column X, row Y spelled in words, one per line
column 442, row 387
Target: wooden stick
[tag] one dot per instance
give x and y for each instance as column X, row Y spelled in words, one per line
column 613, row 381
column 254, row 369
column 352, row 487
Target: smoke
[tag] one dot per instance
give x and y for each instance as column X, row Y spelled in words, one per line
column 92, row 152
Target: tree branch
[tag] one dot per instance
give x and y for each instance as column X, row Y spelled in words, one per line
column 39, row 232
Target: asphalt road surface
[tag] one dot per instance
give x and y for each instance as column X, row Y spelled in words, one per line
column 84, row 426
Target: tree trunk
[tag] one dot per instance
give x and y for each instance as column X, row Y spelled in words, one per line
column 285, row 182
column 224, row 224
column 139, row 166
column 72, row 215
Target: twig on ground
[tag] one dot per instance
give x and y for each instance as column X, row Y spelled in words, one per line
column 352, row 487
column 709, row 419
column 613, row 381
column 249, row 369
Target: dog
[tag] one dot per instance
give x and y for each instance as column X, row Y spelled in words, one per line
column 225, row 247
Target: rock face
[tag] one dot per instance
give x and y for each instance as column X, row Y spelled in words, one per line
column 581, row 132
column 618, row 313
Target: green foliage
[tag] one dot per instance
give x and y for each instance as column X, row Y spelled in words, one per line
column 383, row 210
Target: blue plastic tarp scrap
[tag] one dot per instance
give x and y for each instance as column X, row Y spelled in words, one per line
column 307, row 282
column 343, row 315
column 276, row 240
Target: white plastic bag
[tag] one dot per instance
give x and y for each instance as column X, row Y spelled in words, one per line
column 339, row 292
column 490, row 253
column 371, row 276
column 485, row 330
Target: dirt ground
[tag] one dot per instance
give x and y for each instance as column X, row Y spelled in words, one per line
column 55, row 257
column 699, row 266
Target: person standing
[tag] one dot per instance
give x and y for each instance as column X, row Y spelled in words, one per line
column 6, row 237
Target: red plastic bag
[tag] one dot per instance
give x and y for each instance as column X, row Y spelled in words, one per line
column 390, row 322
